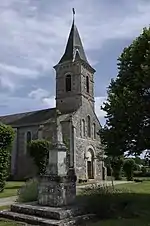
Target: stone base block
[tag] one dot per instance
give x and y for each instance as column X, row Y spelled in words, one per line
column 56, row 213
column 34, row 214
column 56, row 191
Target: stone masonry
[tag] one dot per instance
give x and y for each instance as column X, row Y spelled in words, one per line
column 58, row 186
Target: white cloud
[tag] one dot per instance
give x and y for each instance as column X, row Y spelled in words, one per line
column 43, row 96
column 13, row 105
column 17, row 71
column 98, row 103
column 49, row 101
column 33, row 33
column 38, row 94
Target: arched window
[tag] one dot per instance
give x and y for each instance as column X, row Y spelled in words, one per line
column 94, row 131
column 83, row 128
column 28, row 139
column 40, row 132
column 68, row 83
column 88, row 126
column 87, row 84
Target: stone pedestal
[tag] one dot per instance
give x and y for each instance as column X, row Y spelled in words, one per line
column 56, row 191
column 58, row 186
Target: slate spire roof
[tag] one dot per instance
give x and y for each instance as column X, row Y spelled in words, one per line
column 74, row 47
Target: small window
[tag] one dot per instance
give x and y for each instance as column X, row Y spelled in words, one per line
column 87, row 84
column 83, row 128
column 94, row 131
column 28, row 139
column 88, row 126
column 68, row 83
column 40, row 132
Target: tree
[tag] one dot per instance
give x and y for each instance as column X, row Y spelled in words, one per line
column 128, row 168
column 147, row 159
column 115, row 164
column 39, row 151
column 6, row 139
column 138, row 160
column 127, row 127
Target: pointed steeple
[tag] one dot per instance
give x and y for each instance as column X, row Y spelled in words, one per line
column 74, row 47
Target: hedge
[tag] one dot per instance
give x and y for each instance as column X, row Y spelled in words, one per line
column 39, row 151
column 141, row 174
column 6, row 139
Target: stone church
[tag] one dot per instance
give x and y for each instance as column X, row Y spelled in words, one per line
column 76, row 106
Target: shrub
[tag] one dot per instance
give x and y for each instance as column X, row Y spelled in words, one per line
column 136, row 167
column 6, row 139
column 138, row 180
column 39, row 151
column 141, row 174
column 128, row 167
column 116, row 164
column 29, row 191
column 144, row 170
column 106, row 202
column 137, row 173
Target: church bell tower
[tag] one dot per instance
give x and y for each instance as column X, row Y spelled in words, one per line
column 74, row 75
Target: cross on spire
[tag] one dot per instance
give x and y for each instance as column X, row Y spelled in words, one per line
column 73, row 11
column 74, row 48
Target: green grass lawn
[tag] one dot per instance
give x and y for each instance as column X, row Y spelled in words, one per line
column 11, row 189
column 9, row 223
column 140, row 196
column 141, row 188
column 123, row 222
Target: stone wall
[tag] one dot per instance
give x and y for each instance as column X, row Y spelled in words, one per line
column 68, row 101
column 85, row 143
column 25, row 166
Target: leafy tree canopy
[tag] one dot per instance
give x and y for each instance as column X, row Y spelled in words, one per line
column 127, row 106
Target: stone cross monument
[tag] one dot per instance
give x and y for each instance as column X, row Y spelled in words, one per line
column 57, row 187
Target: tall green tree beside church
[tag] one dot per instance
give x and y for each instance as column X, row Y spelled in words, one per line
column 127, row 106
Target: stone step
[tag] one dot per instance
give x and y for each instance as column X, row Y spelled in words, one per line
column 33, row 220
column 57, row 213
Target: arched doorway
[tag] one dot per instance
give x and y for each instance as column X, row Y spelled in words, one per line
column 90, row 164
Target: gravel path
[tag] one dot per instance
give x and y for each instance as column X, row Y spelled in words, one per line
column 7, row 201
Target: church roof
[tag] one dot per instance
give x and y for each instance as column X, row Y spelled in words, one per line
column 33, row 117
column 28, row 118
column 74, row 46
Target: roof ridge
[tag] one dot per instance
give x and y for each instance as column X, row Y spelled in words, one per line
column 25, row 112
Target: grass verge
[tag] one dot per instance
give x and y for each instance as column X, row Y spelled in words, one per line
column 130, row 208
column 11, row 189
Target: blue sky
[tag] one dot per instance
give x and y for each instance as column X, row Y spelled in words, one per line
column 33, row 38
